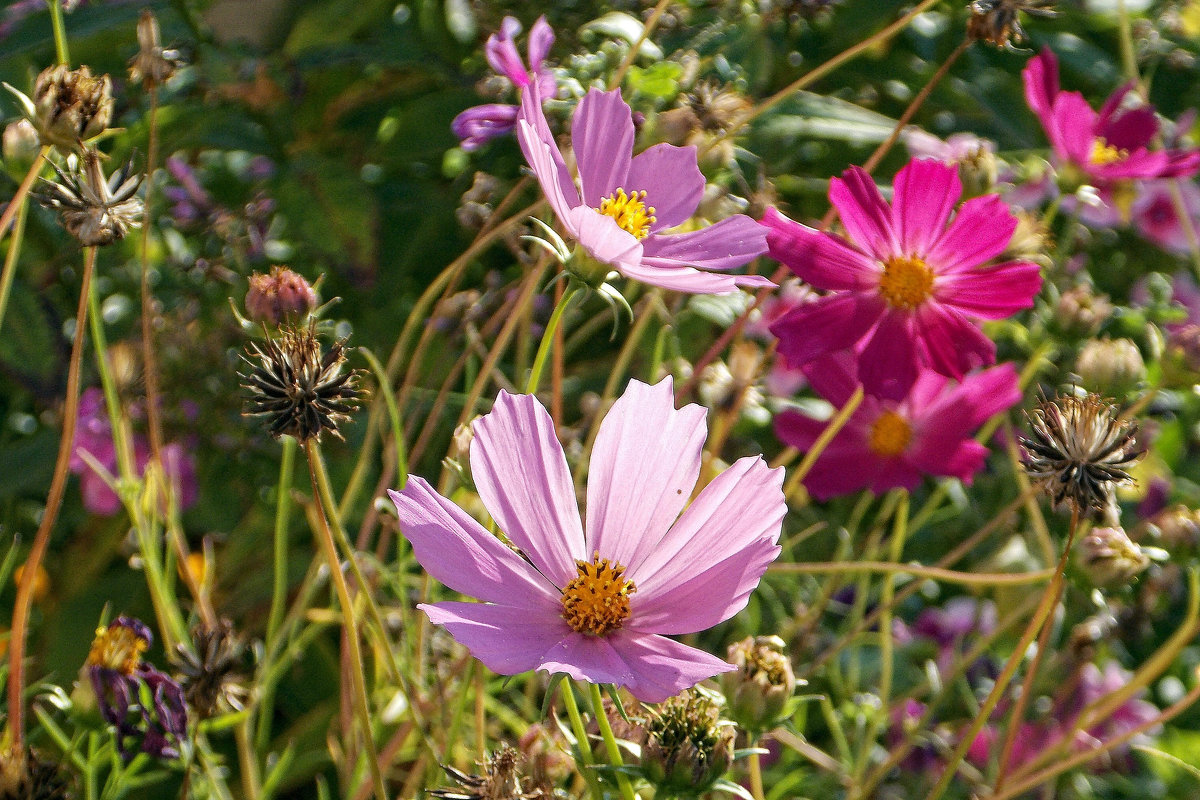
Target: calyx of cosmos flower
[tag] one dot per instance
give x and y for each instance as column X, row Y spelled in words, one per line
column 597, row 601
column 630, row 211
column 890, row 434
column 907, row 281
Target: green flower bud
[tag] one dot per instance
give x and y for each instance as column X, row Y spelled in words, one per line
column 758, row 691
column 1110, row 558
column 689, row 747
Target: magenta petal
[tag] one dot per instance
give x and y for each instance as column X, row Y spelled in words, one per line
column 984, row 393
column 1041, row 83
column 456, row 550
column 821, row 259
column 895, row 473
column 523, row 480
column 1130, row 130
column 501, row 52
column 993, row 293
column 644, row 465
column 798, row 430
column 508, row 640
column 671, row 180
column 478, row 125
column 729, row 244
column 660, row 667
column 1075, row 122
column 865, row 214
column 704, row 569
column 888, row 364
column 953, row 344
column 541, row 37
column 925, row 194
column 981, row 230
column 834, row 377
column 833, row 322
column 603, row 238
column 602, row 138
column 845, row 466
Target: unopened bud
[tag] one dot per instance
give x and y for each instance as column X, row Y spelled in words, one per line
column 20, row 146
column 1029, row 241
column 1110, row 558
column 689, row 747
column 1081, row 312
column 759, row 690
column 71, row 105
column 279, row 296
column 1177, row 529
column 978, row 170
column 1110, row 366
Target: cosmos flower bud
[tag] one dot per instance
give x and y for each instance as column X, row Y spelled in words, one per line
column 758, row 692
column 1110, row 366
column 1081, row 312
column 71, row 106
column 20, row 146
column 1110, row 558
column 1177, row 529
column 689, row 746
column 278, row 296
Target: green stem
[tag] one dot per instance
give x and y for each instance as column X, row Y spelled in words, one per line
column 543, row 353
column 283, row 507
column 610, row 742
column 582, row 744
column 754, row 768
column 10, row 259
column 60, row 32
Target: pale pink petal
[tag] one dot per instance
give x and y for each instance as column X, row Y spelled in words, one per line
column 671, row 180
column 865, row 214
column 501, row 52
column 991, row 293
column 602, row 138
column 729, row 244
column 693, row 281
column 888, row 364
column 980, row 231
column 552, row 175
column 507, row 639
column 660, row 667
column 833, row 322
column 925, row 194
column 704, row 569
column 953, row 344
column 644, row 465
column 587, row 658
column 456, row 550
column 821, row 259
column 603, row 238
column 523, row 480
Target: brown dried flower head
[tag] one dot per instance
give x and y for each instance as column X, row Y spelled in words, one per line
column 94, row 210
column 299, row 390
column 998, row 21
column 152, row 66
column 1080, row 451
column 71, row 106
column 24, row 776
column 210, row 670
column 500, row 780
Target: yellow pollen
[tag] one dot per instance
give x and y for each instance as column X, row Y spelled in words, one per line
column 890, row 435
column 907, row 281
column 1104, row 153
column 597, row 601
column 117, row 648
column 630, row 211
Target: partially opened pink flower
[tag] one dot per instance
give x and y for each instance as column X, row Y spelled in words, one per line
column 1107, row 146
column 598, row 605
column 625, row 204
column 906, row 287
column 889, row 444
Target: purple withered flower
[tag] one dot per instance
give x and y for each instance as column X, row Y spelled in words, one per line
column 599, row 605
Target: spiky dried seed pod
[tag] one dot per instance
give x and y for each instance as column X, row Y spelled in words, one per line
column 210, row 670
column 500, row 780
column 1080, row 451
column 998, row 21
column 24, row 776
column 94, row 210
column 300, row 391
column 71, row 105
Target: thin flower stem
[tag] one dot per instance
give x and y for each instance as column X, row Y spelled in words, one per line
column 610, row 742
column 583, row 745
column 754, row 771
column 283, row 507
column 149, row 357
column 1040, row 617
column 11, row 258
column 647, row 30
column 361, row 703
column 835, row 426
column 918, row 571
column 58, row 483
column 18, row 198
column 543, row 352
column 60, row 32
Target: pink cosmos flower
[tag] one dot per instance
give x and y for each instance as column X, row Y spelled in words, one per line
column 1107, row 146
column 598, row 605
column 888, row 444
column 1156, row 217
column 906, row 286
column 479, row 124
column 624, row 203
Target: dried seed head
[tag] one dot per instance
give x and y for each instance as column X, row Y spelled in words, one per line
column 209, row 670
column 297, row 389
column 94, row 210
column 998, row 21
column 500, row 780
column 1080, row 451
column 152, row 66
column 71, row 106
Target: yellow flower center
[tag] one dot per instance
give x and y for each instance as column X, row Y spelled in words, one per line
column 630, row 211
column 890, row 435
column 597, row 601
column 1104, row 153
column 118, row 648
column 907, row 281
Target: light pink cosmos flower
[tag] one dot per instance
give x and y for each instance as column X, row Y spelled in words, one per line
column 625, row 203
column 598, row 605
column 480, row 124
column 888, row 444
column 1107, row 146
column 906, row 287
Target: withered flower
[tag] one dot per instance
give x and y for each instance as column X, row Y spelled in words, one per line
column 998, row 21
column 25, row 776
column 297, row 389
column 94, row 210
column 209, row 669
column 499, row 781
column 152, row 66
column 1080, row 451
column 69, row 106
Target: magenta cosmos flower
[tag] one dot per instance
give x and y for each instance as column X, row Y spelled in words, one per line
column 906, row 286
column 1107, row 146
column 889, row 444
column 625, row 203
column 480, row 124
column 598, row 605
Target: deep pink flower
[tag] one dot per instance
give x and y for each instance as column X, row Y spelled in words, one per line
column 480, row 124
column 1107, row 146
column 908, row 283
column 625, row 203
column 598, row 605
column 892, row 443
column 1156, row 216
